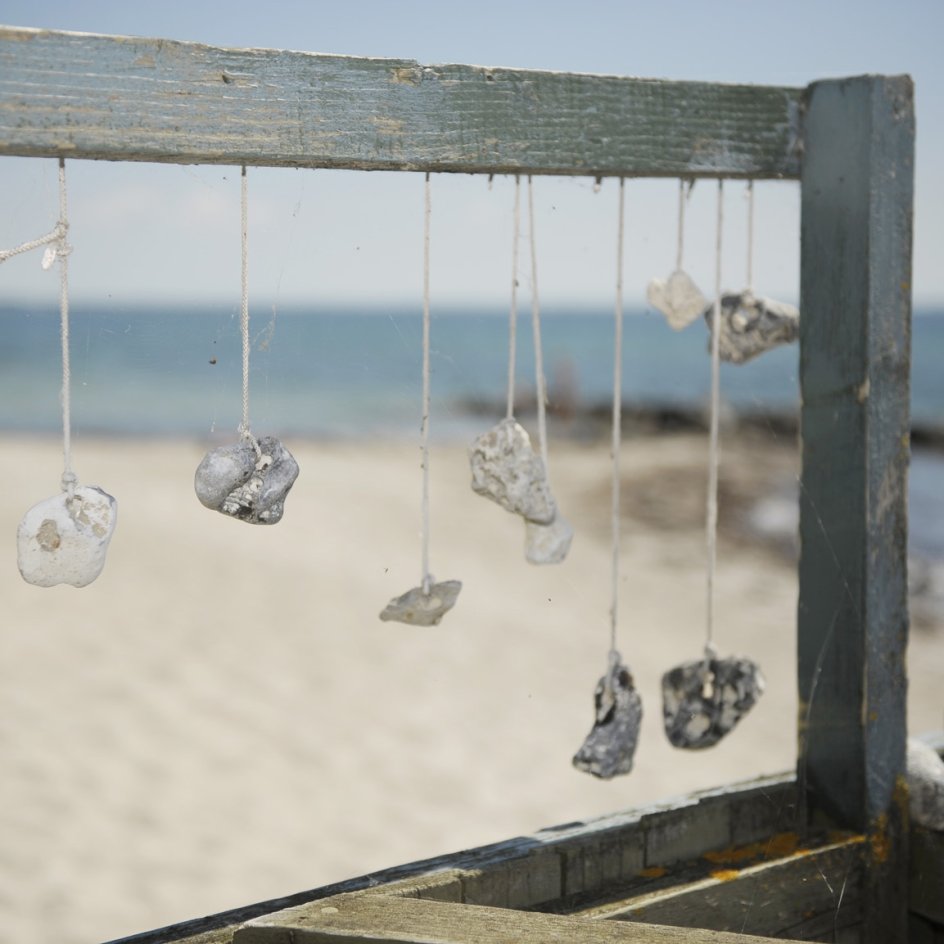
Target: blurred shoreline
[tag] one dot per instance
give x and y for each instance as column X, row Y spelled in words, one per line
column 221, row 717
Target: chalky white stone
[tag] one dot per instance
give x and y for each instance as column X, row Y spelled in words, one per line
column 508, row 471
column 423, row 609
column 702, row 701
column 235, row 481
column 548, row 543
column 925, row 785
column 63, row 540
column 751, row 325
column 608, row 749
column 678, row 298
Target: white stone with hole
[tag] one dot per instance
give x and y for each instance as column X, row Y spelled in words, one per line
column 63, row 540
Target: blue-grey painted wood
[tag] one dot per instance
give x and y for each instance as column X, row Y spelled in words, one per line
column 118, row 98
column 855, row 345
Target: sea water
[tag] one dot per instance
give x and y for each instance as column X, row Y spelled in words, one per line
column 176, row 371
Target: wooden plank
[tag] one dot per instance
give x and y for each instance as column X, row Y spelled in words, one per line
column 807, row 895
column 593, row 856
column 120, row 98
column 358, row 919
column 926, row 880
column 855, row 339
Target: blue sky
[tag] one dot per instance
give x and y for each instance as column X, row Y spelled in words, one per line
column 150, row 233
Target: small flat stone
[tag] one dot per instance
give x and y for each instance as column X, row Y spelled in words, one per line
column 508, row 471
column 63, row 540
column 237, row 482
column 423, row 609
column 608, row 749
column 750, row 326
column 702, row 701
column 677, row 297
column 548, row 543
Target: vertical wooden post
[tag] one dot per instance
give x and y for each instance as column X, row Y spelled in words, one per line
column 855, row 343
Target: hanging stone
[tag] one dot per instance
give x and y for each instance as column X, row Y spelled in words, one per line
column 750, row 326
column 508, row 471
column 238, row 482
column 548, row 543
column 678, row 298
column 702, row 701
column 64, row 540
column 423, row 609
column 609, row 747
column 925, row 772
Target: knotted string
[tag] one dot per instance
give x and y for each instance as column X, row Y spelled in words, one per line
column 63, row 249
column 750, row 237
column 711, row 527
column 680, row 246
column 58, row 237
column 427, row 579
column 617, row 420
column 539, row 379
column 244, row 428
column 513, row 315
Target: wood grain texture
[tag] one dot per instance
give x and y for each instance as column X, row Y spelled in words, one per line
column 368, row 918
column 926, row 886
column 578, row 862
column 119, row 98
column 809, row 895
column 855, row 344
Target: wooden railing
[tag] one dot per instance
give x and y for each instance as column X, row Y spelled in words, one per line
column 850, row 142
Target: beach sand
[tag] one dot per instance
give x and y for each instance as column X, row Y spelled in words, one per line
column 222, row 718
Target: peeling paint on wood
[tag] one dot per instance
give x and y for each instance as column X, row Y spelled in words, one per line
column 855, row 343
column 120, row 98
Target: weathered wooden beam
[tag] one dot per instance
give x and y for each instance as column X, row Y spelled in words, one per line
column 926, row 886
column 120, row 98
column 808, row 895
column 359, row 919
column 855, row 343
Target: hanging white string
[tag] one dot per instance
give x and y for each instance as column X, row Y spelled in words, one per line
column 617, row 418
column 750, row 237
column 62, row 256
column 425, row 413
column 513, row 315
column 711, row 527
column 539, row 380
column 244, row 427
column 681, row 227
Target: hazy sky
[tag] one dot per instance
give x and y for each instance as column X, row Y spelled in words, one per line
column 156, row 233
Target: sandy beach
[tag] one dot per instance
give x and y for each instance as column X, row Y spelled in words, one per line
column 222, row 718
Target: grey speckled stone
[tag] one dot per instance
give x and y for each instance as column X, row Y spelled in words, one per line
column 608, row 749
column 423, row 609
column 702, row 701
column 750, row 326
column 65, row 541
column 925, row 785
column 508, row 471
column 678, row 298
column 548, row 543
column 236, row 482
